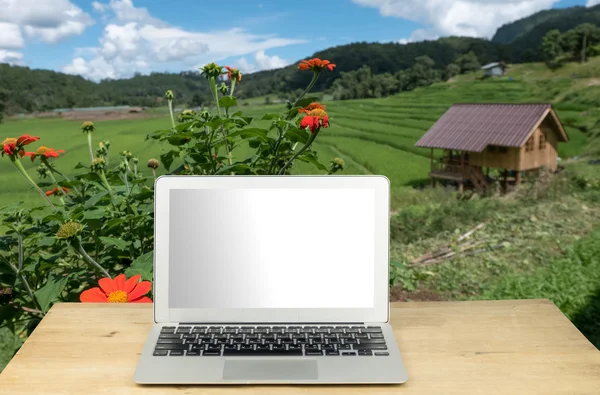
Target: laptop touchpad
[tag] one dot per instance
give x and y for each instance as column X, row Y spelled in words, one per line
column 270, row 369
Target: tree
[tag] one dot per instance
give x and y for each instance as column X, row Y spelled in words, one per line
column 552, row 45
column 468, row 62
column 580, row 42
column 452, row 70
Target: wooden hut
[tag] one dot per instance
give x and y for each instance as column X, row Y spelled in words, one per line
column 516, row 138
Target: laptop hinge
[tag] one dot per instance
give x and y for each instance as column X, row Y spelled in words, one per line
column 271, row 323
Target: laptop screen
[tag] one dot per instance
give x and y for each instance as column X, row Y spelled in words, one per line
column 271, row 248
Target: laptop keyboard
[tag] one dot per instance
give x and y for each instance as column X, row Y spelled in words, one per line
column 234, row 341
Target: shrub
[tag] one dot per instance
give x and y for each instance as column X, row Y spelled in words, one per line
column 97, row 224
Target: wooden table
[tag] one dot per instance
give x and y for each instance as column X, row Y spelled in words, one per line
column 497, row 347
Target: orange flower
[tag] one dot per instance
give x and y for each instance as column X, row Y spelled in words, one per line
column 312, row 106
column 45, row 152
column 317, row 65
column 56, row 191
column 26, row 139
column 233, row 73
column 118, row 290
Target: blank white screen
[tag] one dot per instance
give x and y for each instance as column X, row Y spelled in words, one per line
column 271, row 248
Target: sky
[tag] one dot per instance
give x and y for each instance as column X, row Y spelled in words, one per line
column 117, row 38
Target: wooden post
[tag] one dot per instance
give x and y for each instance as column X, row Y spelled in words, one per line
column 432, row 160
column 462, row 164
column 519, row 178
column 505, row 180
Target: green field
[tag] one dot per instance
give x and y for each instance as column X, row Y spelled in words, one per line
column 373, row 136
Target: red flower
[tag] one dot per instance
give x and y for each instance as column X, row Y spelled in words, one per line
column 118, row 290
column 56, row 191
column 26, row 140
column 233, row 73
column 46, row 152
column 9, row 146
column 315, row 119
column 316, row 65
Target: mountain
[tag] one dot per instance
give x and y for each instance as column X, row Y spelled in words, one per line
column 525, row 35
column 27, row 90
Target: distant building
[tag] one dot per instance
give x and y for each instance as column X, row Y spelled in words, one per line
column 516, row 138
column 497, row 69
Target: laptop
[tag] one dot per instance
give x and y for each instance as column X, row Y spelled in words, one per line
column 271, row 280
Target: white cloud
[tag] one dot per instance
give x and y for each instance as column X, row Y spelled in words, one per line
column 10, row 36
column 420, row 35
column 137, row 42
column 125, row 11
column 592, row 3
column 262, row 61
column 475, row 18
column 49, row 21
column 10, row 57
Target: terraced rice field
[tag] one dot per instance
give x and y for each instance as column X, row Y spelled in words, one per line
column 375, row 136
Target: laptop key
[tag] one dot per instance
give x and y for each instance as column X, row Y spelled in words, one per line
column 160, row 353
column 371, row 341
column 376, row 335
column 193, row 353
column 369, row 347
column 211, row 353
column 349, row 353
column 372, row 329
column 177, row 353
column 365, row 352
column 179, row 346
column 169, row 341
column 382, row 353
column 165, row 337
column 332, row 353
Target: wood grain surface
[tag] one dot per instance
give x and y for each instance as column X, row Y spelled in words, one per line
column 495, row 347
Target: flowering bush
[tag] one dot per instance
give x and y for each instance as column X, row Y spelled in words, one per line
column 96, row 225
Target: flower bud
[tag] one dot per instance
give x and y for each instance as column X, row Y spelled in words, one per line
column 69, row 230
column 126, row 154
column 153, row 163
column 88, row 127
column 98, row 165
column 337, row 164
column 135, row 160
column 122, row 168
column 223, row 88
column 212, row 70
column 169, row 95
column 42, row 171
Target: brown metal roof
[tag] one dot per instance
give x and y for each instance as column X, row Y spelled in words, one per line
column 472, row 127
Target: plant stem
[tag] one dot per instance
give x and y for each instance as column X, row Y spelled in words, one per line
column 154, row 173
column 126, row 183
column 308, row 88
column 53, row 169
column 308, row 143
column 89, row 136
column 213, row 89
column 88, row 258
column 170, row 103
column 20, row 250
column 233, row 81
column 22, row 277
column 276, row 150
column 105, row 181
column 59, row 187
column 21, row 169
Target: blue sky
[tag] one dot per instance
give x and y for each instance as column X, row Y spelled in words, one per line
column 116, row 38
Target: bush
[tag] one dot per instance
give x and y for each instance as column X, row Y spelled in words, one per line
column 97, row 224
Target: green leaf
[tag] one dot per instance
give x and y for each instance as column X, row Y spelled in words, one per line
column 313, row 160
column 297, row 135
column 250, row 133
column 227, row 101
column 142, row 265
column 80, row 166
column 268, row 117
column 46, row 241
column 180, row 138
column 91, row 202
column 93, row 214
column 186, row 125
column 158, row 134
column 50, row 292
column 113, row 241
column 168, row 157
